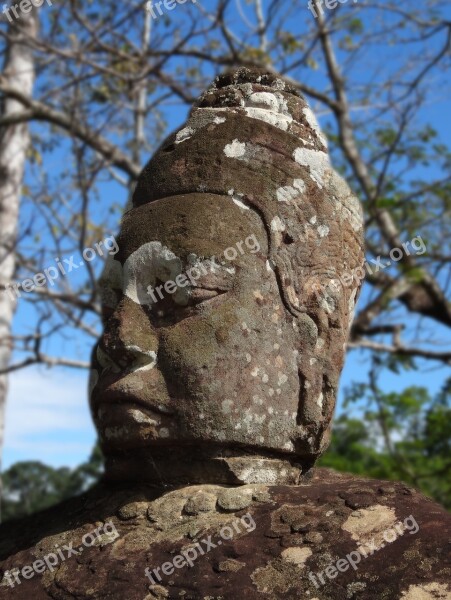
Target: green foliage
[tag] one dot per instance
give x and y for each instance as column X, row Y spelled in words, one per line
column 32, row 486
column 401, row 436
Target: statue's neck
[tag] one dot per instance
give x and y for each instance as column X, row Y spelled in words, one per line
column 196, row 465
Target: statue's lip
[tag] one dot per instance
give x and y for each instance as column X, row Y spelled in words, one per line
column 127, row 399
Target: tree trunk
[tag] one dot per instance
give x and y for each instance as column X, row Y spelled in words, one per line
column 18, row 72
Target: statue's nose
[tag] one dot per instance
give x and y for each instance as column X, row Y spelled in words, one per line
column 129, row 341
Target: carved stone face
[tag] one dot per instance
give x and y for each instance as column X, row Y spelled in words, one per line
column 225, row 322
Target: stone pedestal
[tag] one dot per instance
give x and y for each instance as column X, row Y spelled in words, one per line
column 334, row 536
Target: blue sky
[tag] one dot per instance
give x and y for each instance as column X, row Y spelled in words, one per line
column 47, row 416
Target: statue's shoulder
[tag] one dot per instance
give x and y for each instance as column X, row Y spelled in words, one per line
column 354, row 537
column 69, row 514
column 335, row 536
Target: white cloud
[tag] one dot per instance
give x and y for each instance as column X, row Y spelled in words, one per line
column 47, row 417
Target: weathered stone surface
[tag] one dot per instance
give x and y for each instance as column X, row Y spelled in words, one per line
column 237, row 370
column 272, row 561
column 230, row 378
column 200, row 502
column 235, row 498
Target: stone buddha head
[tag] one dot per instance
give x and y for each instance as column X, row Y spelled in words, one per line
column 228, row 305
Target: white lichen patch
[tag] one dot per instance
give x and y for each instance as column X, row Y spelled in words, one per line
column 276, row 120
column 323, row 231
column 144, row 360
column 351, row 306
column 311, row 120
column 282, row 378
column 150, row 262
column 299, row 184
column 265, row 100
column 236, row 149
column 319, row 400
column 289, row 193
column 427, row 591
column 140, row 417
column 278, row 84
column 269, row 266
column 328, row 302
column 317, row 161
column 239, row 202
column 258, row 471
column 277, row 225
column 183, row 135
column 308, row 142
column 367, row 524
column 270, row 107
column 219, row 120
column 296, row 556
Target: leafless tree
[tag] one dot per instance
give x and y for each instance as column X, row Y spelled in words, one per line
column 18, row 73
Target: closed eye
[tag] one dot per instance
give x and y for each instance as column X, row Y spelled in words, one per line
column 199, row 295
column 168, row 312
